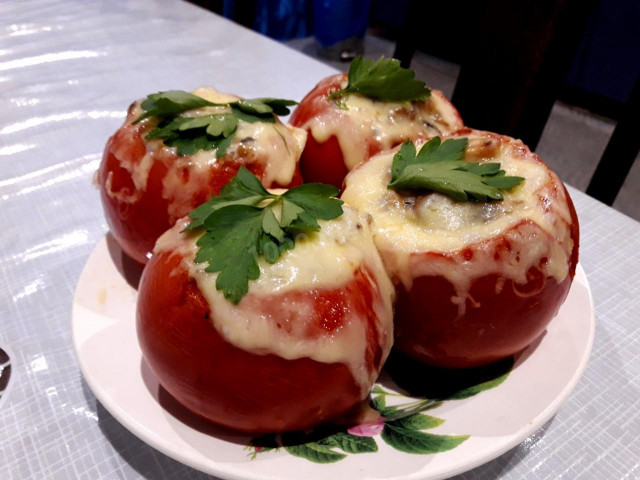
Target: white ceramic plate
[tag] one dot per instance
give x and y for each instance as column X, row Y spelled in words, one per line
column 495, row 420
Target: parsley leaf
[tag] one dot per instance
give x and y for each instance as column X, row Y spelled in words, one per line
column 243, row 189
column 247, row 114
column 432, row 151
column 279, row 106
column 315, row 200
column 384, row 80
column 229, row 247
column 221, row 149
column 205, row 132
column 501, row 181
column 172, row 102
column 439, row 167
column 190, row 134
column 263, row 106
column 241, row 224
column 188, row 145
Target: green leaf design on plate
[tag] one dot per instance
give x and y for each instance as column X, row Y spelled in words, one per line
column 350, row 443
column 322, row 449
column 403, row 423
column 396, row 412
column 315, row 452
column 476, row 389
column 413, row 441
column 418, row 421
column 380, row 404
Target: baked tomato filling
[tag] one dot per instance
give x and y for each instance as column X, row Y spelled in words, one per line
column 303, row 346
column 345, row 132
column 477, row 280
column 269, row 311
column 146, row 185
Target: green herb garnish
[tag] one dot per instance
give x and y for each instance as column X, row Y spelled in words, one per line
column 172, row 102
column 206, row 132
column 439, row 167
column 241, row 224
column 384, row 80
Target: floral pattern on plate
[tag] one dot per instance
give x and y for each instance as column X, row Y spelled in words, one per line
column 401, row 423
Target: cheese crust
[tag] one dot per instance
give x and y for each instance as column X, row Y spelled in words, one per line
column 328, row 259
column 362, row 121
column 433, row 235
column 276, row 146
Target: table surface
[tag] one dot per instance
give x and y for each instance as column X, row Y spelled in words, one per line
column 68, row 70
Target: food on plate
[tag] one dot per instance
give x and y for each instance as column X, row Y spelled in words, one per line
column 267, row 311
column 377, row 106
column 480, row 238
column 175, row 149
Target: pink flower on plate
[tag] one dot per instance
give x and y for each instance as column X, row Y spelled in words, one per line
column 367, row 429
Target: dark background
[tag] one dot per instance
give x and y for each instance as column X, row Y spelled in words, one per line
column 601, row 76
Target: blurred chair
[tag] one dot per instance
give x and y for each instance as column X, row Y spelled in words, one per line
column 514, row 57
column 621, row 152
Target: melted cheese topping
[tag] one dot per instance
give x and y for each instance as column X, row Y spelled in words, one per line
column 275, row 145
column 386, row 123
column 326, row 259
column 427, row 235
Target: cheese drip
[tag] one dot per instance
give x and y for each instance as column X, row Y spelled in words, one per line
column 433, row 235
column 387, row 123
column 275, row 145
column 326, row 259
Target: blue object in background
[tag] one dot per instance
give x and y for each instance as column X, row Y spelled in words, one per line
column 278, row 19
column 337, row 20
column 608, row 60
column 284, row 19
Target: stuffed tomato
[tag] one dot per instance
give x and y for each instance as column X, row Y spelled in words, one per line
column 176, row 149
column 348, row 130
column 477, row 281
column 304, row 345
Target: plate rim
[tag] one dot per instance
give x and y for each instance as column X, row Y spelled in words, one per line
column 231, row 472
column 10, row 384
column 543, row 417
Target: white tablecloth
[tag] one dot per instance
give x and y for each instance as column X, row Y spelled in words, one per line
column 68, row 70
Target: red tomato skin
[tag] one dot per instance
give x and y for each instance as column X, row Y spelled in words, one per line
column 498, row 322
column 137, row 225
column 233, row 387
column 320, row 162
column 316, row 102
column 324, row 162
column 331, row 169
